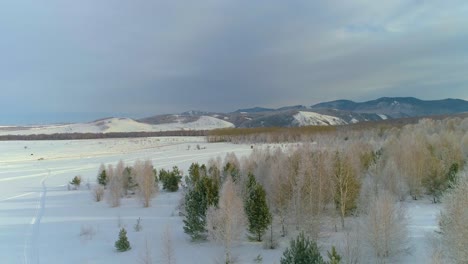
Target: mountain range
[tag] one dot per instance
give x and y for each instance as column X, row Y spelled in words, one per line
column 339, row 112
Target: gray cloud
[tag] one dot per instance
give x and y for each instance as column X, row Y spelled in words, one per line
column 92, row 58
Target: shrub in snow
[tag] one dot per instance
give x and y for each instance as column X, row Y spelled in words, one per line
column 258, row 259
column 87, row 232
column 122, row 244
column 98, row 193
column 138, row 227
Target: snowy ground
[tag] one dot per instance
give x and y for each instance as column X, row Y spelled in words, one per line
column 40, row 220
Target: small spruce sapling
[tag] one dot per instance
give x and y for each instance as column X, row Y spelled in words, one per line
column 102, row 177
column 333, row 256
column 122, row 244
column 76, row 182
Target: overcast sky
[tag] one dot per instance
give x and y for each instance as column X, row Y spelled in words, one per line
column 70, row 60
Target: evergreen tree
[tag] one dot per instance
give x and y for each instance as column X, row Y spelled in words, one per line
column 203, row 171
column 76, row 182
column 197, row 200
column 129, row 179
column 194, row 174
column 333, row 256
column 102, row 176
column 452, row 175
column 251, row 181
column 170, row 179
column 302, row 251
column 122, row 243
column 231, row 170
column 256, row 209
column 215, row 174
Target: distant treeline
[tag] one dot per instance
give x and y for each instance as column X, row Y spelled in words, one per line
column 266, row 134
column 77, row 136
column 308, row 133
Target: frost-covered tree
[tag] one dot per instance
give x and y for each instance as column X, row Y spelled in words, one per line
column 385, row 226
column 114, row 187
column 225, row 222
column 347, row 185
column 454, row 221
column 231, row 170
column 146, row 181
column 167, row 249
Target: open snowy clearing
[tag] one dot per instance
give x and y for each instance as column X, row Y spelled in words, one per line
column 41, row 221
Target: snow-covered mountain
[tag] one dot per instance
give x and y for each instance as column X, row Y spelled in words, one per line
column 340, row 112
column 316, row 119
column 397, row 107
column 117, row 125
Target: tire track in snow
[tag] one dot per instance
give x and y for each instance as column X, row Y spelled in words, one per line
column 31, row 247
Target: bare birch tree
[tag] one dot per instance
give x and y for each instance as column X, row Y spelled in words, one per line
column 347, row 185
column 226, row 223
column 386, row 227
column 167, row 249
column 146, row 181
column 454, row 221
column 114, row 189
column 145, row 256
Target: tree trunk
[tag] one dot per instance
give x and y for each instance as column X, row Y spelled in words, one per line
column 342, row 221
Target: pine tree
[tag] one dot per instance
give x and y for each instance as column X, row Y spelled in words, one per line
column 197, row 201
column 231, row 170
column 76, row 182
column 333, row 256
column 302, row 251
column 102, row 176
column 129, row 179
column 194, row 174
column 452, row 175
column 122, row 243
column 170, row 179
column 256, row 209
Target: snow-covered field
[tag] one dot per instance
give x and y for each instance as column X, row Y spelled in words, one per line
column 41, row 221
column 117, row 125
